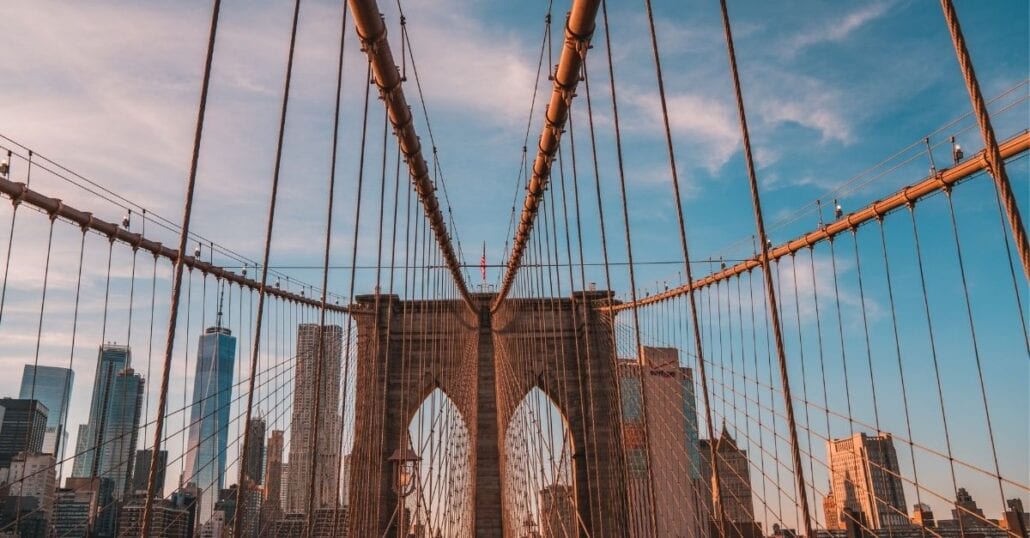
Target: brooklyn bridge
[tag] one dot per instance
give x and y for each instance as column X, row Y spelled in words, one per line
column 323, row 345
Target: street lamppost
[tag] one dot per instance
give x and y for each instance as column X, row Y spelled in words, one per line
column 405, row 466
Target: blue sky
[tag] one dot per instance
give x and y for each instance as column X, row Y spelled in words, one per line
column 832, row 89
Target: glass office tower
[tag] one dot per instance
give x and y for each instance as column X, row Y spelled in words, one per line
column 209, row 416
column 111, row 360
column 52, row 386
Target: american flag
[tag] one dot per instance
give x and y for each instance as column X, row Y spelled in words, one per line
column 482, row 263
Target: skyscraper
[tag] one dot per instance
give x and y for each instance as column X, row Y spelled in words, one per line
column 122, row 432
column 209, row 416
column 52, row 386
column 966, row 513
column 671, row 422
column 113, row 427
column 922, row 516
column 28, row 502
column 734, row 496
column 74, row 506
column 141, row 472
column 274, row 471
column 22, row 425
column 327, row 459
column 111, row 359
column 864, row 477
column 256, row 451
column 33, row 476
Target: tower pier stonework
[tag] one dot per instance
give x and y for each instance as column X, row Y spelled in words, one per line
column 486, row 364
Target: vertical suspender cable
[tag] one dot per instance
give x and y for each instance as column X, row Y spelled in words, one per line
column 177, row 278
column 992, row 154
column 766, row 271
column 686, row 262
column 237, row 517
column 325, row 282
column 632, row 275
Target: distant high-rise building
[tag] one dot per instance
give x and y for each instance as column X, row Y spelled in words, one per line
column 274, row 471
column 274, row 496
column 27, row 499
column 186, row 498
column 52, row 386
column 734, row 498
column 73, row 509
column 209, row 416
column 922, row 516
column 229, row 501
column 557, row 512
column 966, row 512
column 215, row 526
column 22, row 426
column 33, row 475
column 256, row 451
column 92, row 495
column 305, row 415
column 671, row 424
column 23, row 517
column 1015, row 519
column 114, row 428
column 167, row 519
column 114, row 415
column 141, row 472
column 830, row 511
column 865, row 479
column 111, row 359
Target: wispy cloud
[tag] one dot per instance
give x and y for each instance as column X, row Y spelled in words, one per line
column 837, row 30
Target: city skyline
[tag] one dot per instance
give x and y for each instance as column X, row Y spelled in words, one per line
column 498, row 201
column 864, row 467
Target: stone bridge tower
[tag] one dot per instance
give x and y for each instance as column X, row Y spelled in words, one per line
column 563, row 346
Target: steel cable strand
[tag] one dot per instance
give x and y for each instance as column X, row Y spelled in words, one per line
column 15, row 202
column 629, row 254
column 150, row 340
column 591, row 399
column 586, row 397
column 98, row 434
column 869, row 355
column 610, row 317
column 35, row 361
column 801, row 361
column 177, row 275
column 992, row 155
column 898, row 354
column 268, row 244
column 760, row 225
column 313, row 455
column 377, row 346
column 550, row 226
column 975, row 343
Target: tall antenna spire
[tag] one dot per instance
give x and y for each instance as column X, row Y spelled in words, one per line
column 221, row 298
